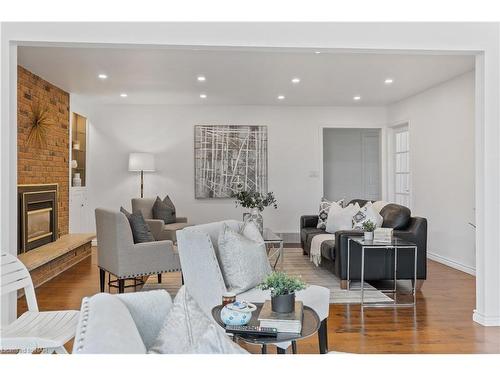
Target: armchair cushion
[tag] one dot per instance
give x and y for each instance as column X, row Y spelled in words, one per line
column 140, row 229
column 243, row 261
column 395, row 216
column 106, row 326
column 188, row 330
column 164, row 210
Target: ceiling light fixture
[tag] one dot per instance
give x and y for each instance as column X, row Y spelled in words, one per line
column 201, row 78
column 123, row 95
column 203, row 96
column 102, row 76
column 281, row 97
column 389, row 81
column 317, row 52
column 356, row 98
column 295, row 80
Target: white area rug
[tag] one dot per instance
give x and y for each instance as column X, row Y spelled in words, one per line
column 299, row 265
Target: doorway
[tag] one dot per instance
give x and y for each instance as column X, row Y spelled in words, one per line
column 351, row 164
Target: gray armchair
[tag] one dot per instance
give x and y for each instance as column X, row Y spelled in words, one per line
column 160, row 230
column 118, row 255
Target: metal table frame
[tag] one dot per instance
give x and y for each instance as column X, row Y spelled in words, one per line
column 279, row 252
column 380, row 245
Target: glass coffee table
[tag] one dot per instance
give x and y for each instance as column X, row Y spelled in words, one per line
column 274, row 245
column 310, row 325
column 396, row 245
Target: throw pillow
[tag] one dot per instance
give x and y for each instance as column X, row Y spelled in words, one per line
column 249, row 230
column 367, row 212
column 164, row 210
column 140, row 229
column 244, row 263
column 188, row 330
column 324, row 209
column 342, row 219
column 378, row 205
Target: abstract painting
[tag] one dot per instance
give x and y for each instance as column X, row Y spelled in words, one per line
column 229, row 159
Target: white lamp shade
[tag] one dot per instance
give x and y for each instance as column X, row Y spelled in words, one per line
column 141, row 161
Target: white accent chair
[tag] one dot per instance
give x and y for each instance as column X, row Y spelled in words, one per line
column 118, row 255
column 203, row 277
column 33, row 330
column 121, row 323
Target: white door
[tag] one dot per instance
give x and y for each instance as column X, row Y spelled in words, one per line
column 402, row 166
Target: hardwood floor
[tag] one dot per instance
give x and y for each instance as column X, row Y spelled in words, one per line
column 440, row 323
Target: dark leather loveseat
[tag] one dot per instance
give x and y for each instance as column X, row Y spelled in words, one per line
column 378, row 264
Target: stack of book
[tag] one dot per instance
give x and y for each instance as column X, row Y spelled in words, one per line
column 382, row 235
column 284, row 323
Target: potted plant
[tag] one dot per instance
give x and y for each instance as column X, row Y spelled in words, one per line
column 368, row 227
column 283, row 288
column 256, row 202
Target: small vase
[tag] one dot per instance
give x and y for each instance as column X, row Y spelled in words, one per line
column 368, row 236
column 256, row 217
column 284, row 303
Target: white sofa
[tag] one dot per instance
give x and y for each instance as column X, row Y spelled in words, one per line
column 203, row 277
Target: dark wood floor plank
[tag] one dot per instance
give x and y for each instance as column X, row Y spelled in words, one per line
column 441, row 322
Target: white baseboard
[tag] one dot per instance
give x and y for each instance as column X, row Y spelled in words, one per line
column 489, row 321
column 451, row 263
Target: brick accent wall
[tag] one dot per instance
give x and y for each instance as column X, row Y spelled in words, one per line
column 49, row 164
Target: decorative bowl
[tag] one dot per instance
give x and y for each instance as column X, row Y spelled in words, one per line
column 237, row 313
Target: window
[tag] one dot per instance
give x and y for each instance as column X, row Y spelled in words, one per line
column 402, row 166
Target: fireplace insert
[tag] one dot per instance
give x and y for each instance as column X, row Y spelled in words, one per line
column 37, row 216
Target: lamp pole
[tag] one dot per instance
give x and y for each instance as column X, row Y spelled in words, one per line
column 142, row 183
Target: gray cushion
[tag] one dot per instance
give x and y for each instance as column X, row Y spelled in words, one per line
column 244, row 263
column 140, row 229
column 188, row 330
column 164, row 210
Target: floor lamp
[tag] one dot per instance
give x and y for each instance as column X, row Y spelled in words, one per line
column 141, row 162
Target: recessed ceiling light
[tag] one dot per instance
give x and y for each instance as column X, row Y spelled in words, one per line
column 389, row 81
column 123, row 95
column 295, row 80
column 317, row 52
column 281, row 97
column 102, row 76
column 357, row 97
column 201, row 78
column 203, row 96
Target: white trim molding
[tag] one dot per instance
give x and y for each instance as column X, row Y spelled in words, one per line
column 488, row 321
column 451, row 263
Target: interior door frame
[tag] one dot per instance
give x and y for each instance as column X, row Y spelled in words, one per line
column 391, row 176
column 382, row 154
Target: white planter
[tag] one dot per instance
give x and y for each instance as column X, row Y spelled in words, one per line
column 369, row 236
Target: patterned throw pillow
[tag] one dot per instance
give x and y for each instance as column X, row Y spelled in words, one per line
column 324, row 209
column 367, row 212
column 164, row 210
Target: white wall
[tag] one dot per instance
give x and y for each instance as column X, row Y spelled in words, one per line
column 168, row 132
column 441, row 122
column 343, row 163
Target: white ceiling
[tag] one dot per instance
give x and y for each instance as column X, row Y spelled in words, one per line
column 240, row 77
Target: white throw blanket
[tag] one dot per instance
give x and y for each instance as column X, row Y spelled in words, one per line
column 315, row 254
